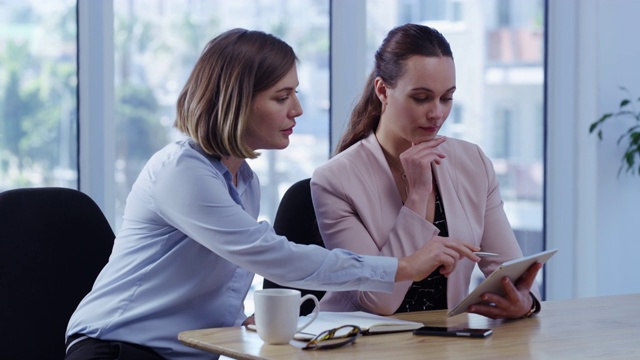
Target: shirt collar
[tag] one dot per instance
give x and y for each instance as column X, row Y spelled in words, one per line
column 245, row 174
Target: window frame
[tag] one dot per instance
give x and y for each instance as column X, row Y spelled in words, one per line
column 96, row 100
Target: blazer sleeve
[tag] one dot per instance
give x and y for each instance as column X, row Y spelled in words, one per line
column 497, row 235
column 353, row 215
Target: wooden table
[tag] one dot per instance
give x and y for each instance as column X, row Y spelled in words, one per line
column 589, row 328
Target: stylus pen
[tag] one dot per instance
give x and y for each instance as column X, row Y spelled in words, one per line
column 482, row 253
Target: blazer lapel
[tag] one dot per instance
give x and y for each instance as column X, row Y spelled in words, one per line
column 383, row 188
column 457, row 222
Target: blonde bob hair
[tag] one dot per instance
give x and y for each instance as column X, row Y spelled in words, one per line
column 216, row 102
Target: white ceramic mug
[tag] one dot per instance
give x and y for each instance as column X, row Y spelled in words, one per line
column 277, row 312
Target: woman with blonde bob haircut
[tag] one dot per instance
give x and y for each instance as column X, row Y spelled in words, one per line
column 215, row 104
column 190, row 242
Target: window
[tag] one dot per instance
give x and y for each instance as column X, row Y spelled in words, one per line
column 502, row 131
column 157, row 44
column 431, row 10
column 504, row 13
column 454, row 126
column 38, row 101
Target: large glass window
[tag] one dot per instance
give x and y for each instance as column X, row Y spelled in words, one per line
column 156, row 45
column 497, row 44
column 38, row 101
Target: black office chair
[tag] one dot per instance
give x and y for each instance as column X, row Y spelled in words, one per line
column 53, row 244
column 296, row 219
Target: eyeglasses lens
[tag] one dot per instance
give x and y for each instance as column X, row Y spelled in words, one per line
column 334, row 338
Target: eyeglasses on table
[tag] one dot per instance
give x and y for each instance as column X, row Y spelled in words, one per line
column 334, row 338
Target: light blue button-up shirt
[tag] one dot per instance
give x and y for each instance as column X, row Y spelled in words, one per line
column 187, row 253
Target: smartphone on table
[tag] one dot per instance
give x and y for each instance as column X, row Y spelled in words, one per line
column 452, row 331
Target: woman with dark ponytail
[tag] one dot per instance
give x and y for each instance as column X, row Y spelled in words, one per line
column 395, row 185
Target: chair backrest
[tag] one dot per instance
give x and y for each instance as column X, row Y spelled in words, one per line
column 296, row 219
column 53, row 244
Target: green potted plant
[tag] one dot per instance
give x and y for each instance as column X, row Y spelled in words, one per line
column 628, row 109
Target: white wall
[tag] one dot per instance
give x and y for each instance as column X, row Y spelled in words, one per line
column 592, row 215
column 618, row 64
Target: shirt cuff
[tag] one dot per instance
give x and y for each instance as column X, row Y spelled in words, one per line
column 381, row 271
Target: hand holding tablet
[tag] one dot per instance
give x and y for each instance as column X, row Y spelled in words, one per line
column 513, row 269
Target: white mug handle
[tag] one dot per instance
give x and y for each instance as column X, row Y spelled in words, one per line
column 314, row 313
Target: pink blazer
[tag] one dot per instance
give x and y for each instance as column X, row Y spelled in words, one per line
column 359, row 208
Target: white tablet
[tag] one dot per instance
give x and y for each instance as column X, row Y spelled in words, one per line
column 513, row 269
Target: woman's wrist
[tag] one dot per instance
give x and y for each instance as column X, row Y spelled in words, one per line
column 535, row 307
column 402, row 274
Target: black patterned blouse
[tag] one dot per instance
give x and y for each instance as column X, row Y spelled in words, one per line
column 431, row 292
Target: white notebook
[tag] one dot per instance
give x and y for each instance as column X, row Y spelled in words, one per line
column 369, row 323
